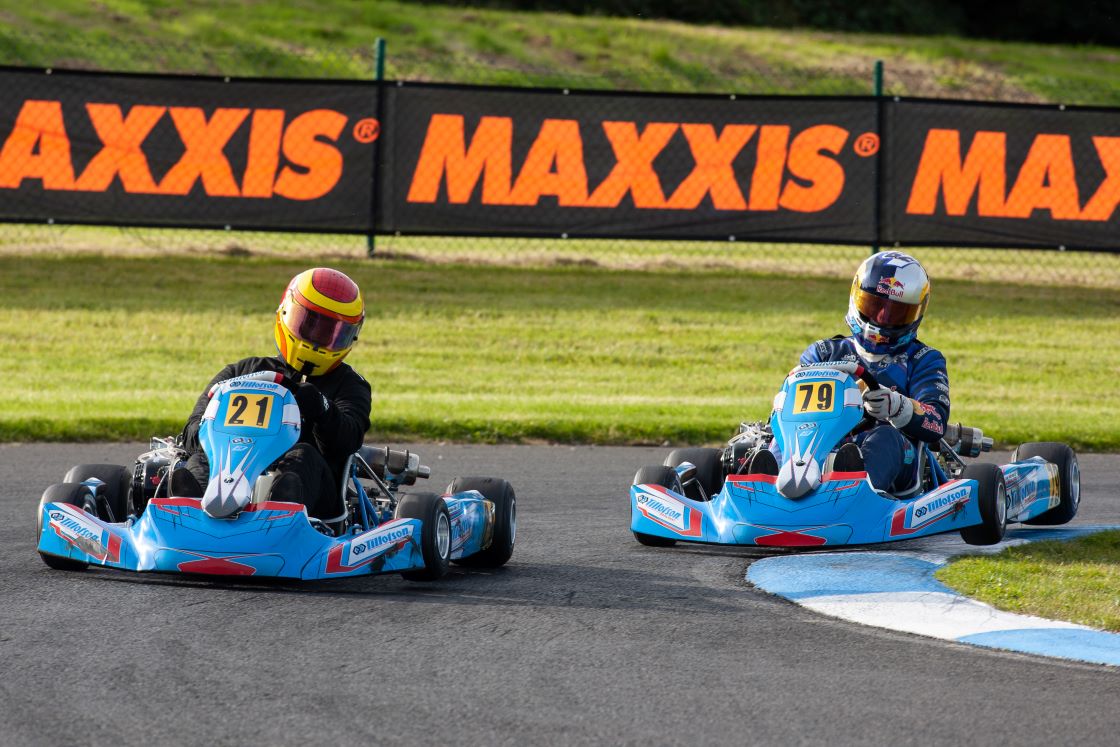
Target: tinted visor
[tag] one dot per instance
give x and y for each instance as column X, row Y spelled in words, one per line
column 318, row 329
column 886, row 312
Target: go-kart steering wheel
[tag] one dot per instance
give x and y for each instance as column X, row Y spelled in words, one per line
column 868, row 422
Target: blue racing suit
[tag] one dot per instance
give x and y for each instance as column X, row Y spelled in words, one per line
column 917, row 372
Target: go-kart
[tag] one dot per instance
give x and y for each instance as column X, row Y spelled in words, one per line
column 113, row 516
column 704, row 494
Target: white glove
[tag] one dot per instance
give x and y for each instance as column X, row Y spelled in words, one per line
column 889, row 405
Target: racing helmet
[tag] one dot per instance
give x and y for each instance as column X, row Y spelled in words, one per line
column 889, row 296
column 318, row 320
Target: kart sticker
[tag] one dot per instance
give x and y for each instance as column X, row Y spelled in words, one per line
column 658, row 506
column 814, row 397
column 79, row 529
column 945, row 501
column 249, row 412
column 367, row 547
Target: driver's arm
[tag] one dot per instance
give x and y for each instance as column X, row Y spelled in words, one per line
column 343, row 426
column 929, row 393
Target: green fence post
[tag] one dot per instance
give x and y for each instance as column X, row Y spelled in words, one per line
column 878, row 154
column 379, row 75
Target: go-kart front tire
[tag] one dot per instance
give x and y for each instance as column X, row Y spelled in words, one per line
column 117, row 481
column 435, row 533
column 709, row 470
column 500, row 493
column 992, row 495
column 74, row 494
column 666, row 477
column 1069, row 479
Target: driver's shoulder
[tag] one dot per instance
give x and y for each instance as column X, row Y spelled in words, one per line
column 924, row 356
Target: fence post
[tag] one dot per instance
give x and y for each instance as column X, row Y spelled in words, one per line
column 879, row 154
column 379, row 76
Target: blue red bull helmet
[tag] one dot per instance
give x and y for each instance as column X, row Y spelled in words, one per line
column 889, row 296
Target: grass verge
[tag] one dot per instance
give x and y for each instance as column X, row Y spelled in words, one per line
column 1078, row 581
column 107, row 347
column 427, row 41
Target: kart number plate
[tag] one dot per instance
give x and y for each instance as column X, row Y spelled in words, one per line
column 249, row 411
column 814, row 396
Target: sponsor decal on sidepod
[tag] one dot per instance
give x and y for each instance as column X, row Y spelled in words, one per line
column 365, row 546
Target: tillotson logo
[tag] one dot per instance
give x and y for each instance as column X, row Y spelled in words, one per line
column 658, row 507
column 934, row 506
column 382, row 539
column 69, row 523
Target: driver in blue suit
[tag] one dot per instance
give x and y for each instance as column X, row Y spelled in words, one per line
column 888, row 299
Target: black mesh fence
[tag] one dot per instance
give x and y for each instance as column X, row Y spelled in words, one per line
column 744, row 75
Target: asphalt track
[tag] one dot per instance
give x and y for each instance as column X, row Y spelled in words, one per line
column 585, row 637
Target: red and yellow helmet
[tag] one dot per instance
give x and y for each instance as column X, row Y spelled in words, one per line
column 318, row 320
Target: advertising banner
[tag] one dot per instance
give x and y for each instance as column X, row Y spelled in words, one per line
column 191, row 152
column 546, row 163
column 971, row 174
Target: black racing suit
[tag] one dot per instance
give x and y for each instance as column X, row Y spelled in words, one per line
column 321, row 453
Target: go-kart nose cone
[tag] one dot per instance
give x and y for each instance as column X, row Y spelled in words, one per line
column 798, row 476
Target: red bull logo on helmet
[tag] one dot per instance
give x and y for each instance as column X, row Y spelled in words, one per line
column 891, row 287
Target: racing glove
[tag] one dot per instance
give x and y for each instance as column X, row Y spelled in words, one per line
column 888, row 405
column 313, row 405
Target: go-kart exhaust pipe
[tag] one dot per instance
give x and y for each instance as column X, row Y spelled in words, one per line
column 966, row 441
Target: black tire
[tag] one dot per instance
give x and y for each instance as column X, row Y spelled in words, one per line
column 435, row 533
column 666, row 477
column 992, row 495
column 1069, row 477
column 709, row 471
column 118, row 482
column 500, row 493
column 74, row 494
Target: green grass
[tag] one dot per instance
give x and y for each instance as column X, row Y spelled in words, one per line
column 432, row 42
column 118, row 347
column 1078, row 581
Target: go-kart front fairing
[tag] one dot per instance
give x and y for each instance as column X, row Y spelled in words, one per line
column 250, row 422
column 809, row 504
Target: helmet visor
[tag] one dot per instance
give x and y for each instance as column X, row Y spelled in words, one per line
column 886, row 312
column 318, row 329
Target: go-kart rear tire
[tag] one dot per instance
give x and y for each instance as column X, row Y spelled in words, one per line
column 118, row 481
column 435, row 533
column 500, row 493
column 74, row 494
column 666, row 477
column 1069, row 479
column 709, row 470
column 992, row 496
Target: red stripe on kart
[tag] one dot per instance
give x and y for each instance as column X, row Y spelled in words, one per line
column 216, row 566
column 790, row 539
column 844, row 476
column 752, row 478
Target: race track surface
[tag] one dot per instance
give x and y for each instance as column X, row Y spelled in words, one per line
column 585, row 637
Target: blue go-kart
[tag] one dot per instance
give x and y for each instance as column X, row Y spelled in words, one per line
column 702, row 495
column 116, row 517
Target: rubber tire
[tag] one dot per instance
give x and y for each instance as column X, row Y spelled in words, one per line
column 500, row 493
column 709, row 470
column 1069, row 476
column 118, row 482
column 991, row 489
column 666, row 477
column 429, row 508
column 71, row 493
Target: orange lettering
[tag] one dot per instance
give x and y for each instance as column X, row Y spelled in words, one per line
column 445, row 152
column 941, row 168
column 807, row 162
column 1046, row 181
column 633, row 171
column 265, row 131
column 559, row 142
column 766, row 182
column 39, row 123
column 204, row 157
column 303, row 148
column 121, row 151
column 1103, row 203
column 713, row 171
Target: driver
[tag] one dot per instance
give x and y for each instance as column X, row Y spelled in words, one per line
column 888, row 299
column 316, row 325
